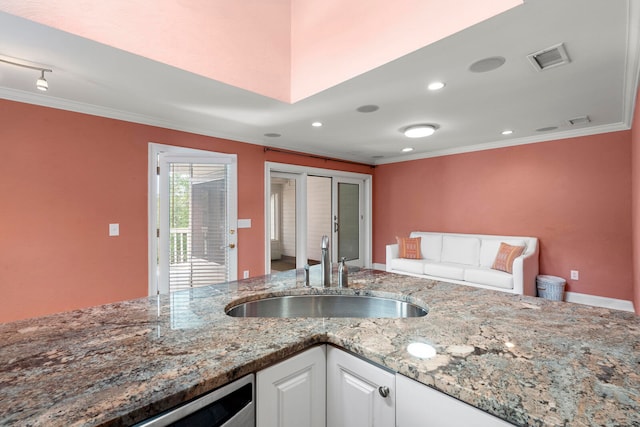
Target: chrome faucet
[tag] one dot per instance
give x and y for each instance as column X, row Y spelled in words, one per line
column 325, row 262
column 343, row 274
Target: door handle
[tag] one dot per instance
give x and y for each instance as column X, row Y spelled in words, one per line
column 335, row 227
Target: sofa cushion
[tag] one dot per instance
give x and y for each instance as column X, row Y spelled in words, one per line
column 506, row 255
column 485, row 276
column 409, row 247
column 404, row 265
column 489, row 249
column 445, row 270
column 430, row 245
column 461, row 250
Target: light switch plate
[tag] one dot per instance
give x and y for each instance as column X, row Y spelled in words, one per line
column 244, row 223
column 575, row 275
column 114, row 229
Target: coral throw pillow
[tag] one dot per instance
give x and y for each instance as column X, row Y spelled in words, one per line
column 506, row 255
column 409, row 247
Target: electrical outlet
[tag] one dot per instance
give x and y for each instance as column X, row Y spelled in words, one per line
column 575, row 275
column 114, row 229
column 245, row 274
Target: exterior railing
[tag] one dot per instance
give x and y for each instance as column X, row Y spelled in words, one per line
column 179, row 244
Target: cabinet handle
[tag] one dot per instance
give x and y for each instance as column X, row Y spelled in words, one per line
column 383, row 390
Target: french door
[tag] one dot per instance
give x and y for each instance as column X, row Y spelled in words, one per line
column 321, row 202
column 195, row 219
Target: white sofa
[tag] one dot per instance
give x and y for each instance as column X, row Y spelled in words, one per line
column 467, row 259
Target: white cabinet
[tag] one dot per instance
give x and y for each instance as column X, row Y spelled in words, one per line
column 422, row 406
column 359, row 394
column 351, row 392
column 292, row 393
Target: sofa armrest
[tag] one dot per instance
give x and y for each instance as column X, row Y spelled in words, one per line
column 525, row 270
column 392, row 253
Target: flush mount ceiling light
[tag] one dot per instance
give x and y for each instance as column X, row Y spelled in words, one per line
column 419, row 131
column 507, row 132
column 41, row 83
column 407, row 149
column 316, row 124
column 436, row 85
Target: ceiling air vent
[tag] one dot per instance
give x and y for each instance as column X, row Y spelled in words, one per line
column 553, row 56
column 583, row 120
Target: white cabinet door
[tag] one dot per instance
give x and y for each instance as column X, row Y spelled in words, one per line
column 359, row 394
column 422, row 406
column 292, row 393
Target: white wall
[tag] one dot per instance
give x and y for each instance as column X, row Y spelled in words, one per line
column 289, row 218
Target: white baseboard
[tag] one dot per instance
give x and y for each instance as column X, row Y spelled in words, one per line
column 586, row 299
column 597, row 301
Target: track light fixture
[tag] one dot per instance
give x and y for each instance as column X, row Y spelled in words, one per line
column 41, row 83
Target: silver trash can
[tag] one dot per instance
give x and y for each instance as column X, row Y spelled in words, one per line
column 550, row 287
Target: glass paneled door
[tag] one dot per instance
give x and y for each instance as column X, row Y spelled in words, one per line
column 348, row 220
column 197, row 221
column 327, row 202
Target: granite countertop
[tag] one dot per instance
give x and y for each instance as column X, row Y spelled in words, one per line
column 527, row 360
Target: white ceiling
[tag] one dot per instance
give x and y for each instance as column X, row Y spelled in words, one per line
column 602, row 39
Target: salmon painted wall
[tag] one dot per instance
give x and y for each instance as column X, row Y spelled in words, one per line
column 65, row 176
column 635, row 158
column 573, row 194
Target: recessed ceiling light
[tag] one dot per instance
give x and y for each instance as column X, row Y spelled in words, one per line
column 272, row 135
column 407, row 149
column 436, row 86
column 419, row 131
column 507, row 132
column 316, row 124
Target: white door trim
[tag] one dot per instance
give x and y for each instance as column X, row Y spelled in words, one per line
column 154, row 150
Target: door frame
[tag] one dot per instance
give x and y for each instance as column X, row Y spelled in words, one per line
column 301, row 208
column 154, row 150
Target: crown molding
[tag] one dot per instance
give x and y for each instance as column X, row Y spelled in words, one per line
column 44, row 100
column 632, row 65
column 593, row 130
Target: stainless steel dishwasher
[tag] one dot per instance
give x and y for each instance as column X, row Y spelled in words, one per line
column 232, row 405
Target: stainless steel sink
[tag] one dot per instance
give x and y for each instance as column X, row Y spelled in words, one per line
column 327, row 306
